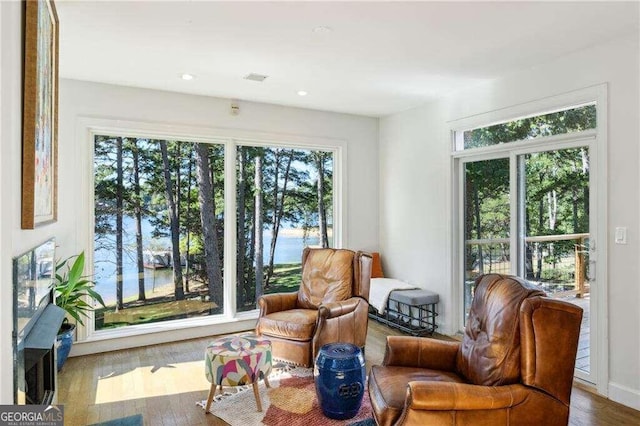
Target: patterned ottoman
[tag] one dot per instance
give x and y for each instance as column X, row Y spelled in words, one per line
column 237, row 361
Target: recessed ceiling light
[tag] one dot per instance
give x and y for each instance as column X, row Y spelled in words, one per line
column 187, row 76
column 322, row 29
column 302, row 93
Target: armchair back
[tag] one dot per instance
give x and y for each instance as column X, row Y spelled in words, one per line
column 333, row 275
column 327, row 276
column 490, row 351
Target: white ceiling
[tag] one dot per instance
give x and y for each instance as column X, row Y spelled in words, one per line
column 379, row 58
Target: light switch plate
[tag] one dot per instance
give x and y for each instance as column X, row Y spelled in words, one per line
column 621, row 235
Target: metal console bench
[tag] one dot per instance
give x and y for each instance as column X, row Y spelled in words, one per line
column 412, row 311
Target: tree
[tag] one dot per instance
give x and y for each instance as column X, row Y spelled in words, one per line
column 137, row 211
column 279, row 196
column 174, row 225
column 207, row 215
column 188, row 221
column 105, row 193
column 242, row 282
column 119, row 214
column 322, row 211
column 258, row 222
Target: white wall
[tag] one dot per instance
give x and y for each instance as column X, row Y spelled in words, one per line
column 415, row 187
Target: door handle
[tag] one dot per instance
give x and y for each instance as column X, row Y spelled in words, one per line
column 591, row 273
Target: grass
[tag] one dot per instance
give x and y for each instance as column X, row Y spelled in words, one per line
column 158, row 311
column 286, row 278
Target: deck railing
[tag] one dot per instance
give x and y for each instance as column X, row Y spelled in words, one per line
column 550, row 261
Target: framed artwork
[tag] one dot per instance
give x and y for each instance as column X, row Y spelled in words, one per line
column 40, row 115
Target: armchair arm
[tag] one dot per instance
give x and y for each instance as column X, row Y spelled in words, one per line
column 343, row 321
column 444, row 396
column 335, row 309
column 277, row 302
column 421, row 352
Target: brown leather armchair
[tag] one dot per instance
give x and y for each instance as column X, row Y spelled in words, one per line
column 514, row 365
column 330, row 306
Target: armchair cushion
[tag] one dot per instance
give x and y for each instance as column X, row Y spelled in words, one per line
column 327, row 276
column 388, row 388
column 294, row 324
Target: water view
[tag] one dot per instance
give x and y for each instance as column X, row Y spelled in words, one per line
column 288, row 250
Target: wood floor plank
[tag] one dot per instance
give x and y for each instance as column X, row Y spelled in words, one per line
column 163, row 383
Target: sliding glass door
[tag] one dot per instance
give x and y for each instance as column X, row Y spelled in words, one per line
column 527, row 208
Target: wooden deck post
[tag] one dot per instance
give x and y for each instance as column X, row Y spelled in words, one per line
column 579, row 271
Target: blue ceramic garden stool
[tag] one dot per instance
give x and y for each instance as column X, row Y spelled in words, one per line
column 340, row 378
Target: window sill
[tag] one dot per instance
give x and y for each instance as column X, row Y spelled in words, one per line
column 163, row 332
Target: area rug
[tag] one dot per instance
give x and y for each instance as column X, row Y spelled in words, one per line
column 290, row 401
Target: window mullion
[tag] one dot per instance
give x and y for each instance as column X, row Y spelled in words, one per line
column 230, row 234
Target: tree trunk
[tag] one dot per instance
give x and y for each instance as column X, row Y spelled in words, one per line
column 539, row 245
column 278, row 212
column 175, row 229
column 207, row 218
column 178, row 180
column 322, row 211
column 187, row 263
column 242, row 242
column 585, row 190
column 553, row 209
column 476, row 205
column 574, row 209
column 258, row 226
column 138, row 213
column 468, row 222
column 119, row 214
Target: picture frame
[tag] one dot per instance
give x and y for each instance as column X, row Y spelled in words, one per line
column 40, row 114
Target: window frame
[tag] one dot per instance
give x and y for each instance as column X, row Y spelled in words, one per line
column 91, row 340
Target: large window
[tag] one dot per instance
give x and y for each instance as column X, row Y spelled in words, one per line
column 159, row 225
column 160, row 238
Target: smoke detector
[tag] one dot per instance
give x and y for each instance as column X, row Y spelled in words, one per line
column 256, row 77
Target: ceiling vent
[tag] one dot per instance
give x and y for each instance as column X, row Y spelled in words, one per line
column 255, row 77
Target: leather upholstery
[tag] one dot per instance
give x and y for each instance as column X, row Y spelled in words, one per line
column 326, row 277
column 490, row 351
column 510, row 367
column 331, row 305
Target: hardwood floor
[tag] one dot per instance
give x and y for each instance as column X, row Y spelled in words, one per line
column 163, row 382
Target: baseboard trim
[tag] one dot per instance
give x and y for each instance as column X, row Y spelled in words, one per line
column 624, row 395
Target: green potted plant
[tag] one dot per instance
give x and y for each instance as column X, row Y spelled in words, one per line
column 75, row 294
